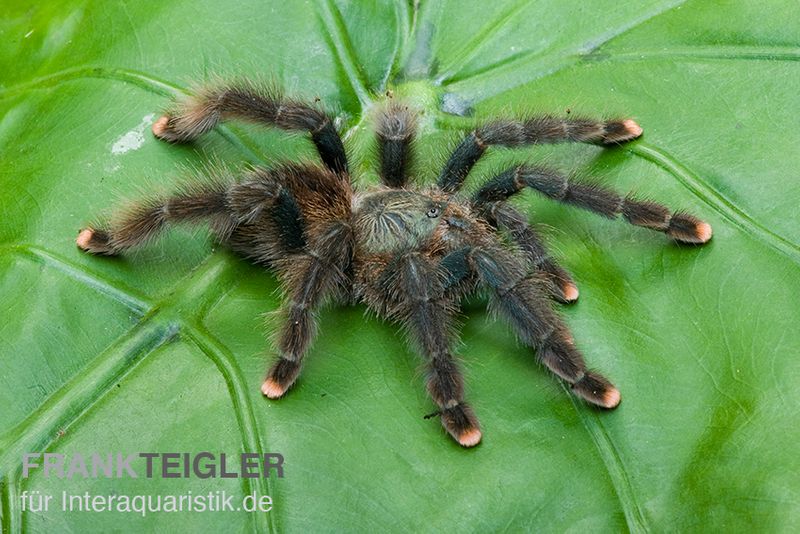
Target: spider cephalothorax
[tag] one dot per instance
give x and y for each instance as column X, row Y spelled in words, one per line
column 409, row 255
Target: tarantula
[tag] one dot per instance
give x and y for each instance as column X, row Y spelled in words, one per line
column 410, row 254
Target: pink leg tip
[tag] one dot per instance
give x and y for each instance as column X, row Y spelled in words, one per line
column 570, row 292
column 633, row 129
column 470, row 438
column 160, row 126
column 84, row 238
column 272, row 389
column 704, row 232
column 611, row 398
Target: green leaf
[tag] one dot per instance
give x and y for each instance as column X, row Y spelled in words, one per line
column 164, row 351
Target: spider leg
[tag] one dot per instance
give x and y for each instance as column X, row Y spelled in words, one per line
column 559, row 283
column 309, row 278
column 396, row 129
column 516, row 297
column 248, row 101
column 218, row 199
column 680, row 226
column 536, row 130
column 417, row 284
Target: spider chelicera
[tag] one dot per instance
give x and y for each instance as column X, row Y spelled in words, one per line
column 410, row 254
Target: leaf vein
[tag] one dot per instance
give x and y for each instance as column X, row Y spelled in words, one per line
column 225, row 362
column 550, row 63
column 345, row 53
column 125, row 296
column 615, row 468
column 716, row 200
column 83, row 391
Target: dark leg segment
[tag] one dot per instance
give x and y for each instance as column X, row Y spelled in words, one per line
column 248, row 101
column 536, row 130
column 679, row 226
column 558, row 282
column 395, row 129
column 309, row 278
column 427, row 316
column 289, row 222
column 516, row 298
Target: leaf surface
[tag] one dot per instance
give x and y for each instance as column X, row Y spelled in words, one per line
column 164, row 350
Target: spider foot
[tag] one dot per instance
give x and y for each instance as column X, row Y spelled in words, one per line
column 461, row 423
column 165, row 128
column 280, row 378
column 161, row 126
column 621, row 131
column 570, row 292
column 272, row 389
column 95, row 242
column 183, row 128
column 686, row 228
column 597, row 390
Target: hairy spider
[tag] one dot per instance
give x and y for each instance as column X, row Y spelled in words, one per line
column 409, row 254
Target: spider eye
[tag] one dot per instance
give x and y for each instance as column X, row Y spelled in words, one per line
column 433, row 213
